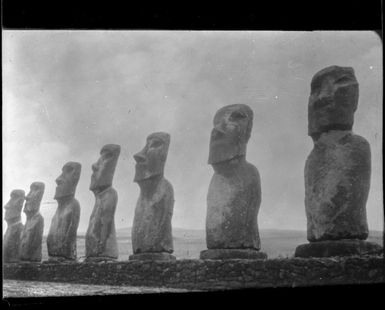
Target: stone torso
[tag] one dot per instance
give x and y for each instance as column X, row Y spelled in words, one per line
column 101, row 234
column 233, row 203
column 31, row 239
column 151, row 231
column 61, row 240
column 11, row 242
column 337, row 181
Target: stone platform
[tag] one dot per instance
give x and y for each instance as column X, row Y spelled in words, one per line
column 232, row 254
column 55, row 259
column 208, row 274
column 153, row 256
column 337, row 248
column 100, row 259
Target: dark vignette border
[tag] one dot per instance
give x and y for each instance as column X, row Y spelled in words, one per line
column 262, row 15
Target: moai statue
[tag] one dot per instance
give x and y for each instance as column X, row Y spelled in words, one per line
column 337, row 171
column 12, row 216
column 101, row 244
column 234, row 195
column 32, row 234
column 151, row 231
column 61, row 240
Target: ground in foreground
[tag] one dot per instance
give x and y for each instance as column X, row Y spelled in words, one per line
column 14, row 288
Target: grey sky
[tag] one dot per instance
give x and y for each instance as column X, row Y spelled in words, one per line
column 67, row 93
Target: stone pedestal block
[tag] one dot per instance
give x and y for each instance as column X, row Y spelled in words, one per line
column 99, row 259
column 59, row 259
column 345, row 247
column 232, row 254
column 153, row 256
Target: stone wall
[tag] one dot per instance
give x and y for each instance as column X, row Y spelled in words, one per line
column 208, row 274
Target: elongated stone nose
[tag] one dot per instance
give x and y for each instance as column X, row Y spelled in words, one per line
column 139, row 157
column 59, row 180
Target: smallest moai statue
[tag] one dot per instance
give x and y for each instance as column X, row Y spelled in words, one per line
column 32, row 233
column 61, row 240
column 101, row 243
column 12, row 216
column 151, row 231
column 337, row 171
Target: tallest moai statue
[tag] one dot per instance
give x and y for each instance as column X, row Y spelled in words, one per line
column 337, row 171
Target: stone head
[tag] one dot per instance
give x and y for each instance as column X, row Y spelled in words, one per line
column 151, row 159
column 231, row 132
column 34, row 197
column 103, row 170
column 333, row 100
column 14, row 205
column 68, row 180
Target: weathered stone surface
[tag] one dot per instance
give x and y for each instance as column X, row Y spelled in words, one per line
column 337, row 171
column 59, row 259
column 61, row 240
column 232, row 254
column 101, row 234
column 32, row 234
column 338, row 248
column 153, row 256
column 12, row 216
column 151, row 230
column 209, row 274
column 333, row 100
column 234, row 195
column 99, row 259
column 337, row 181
